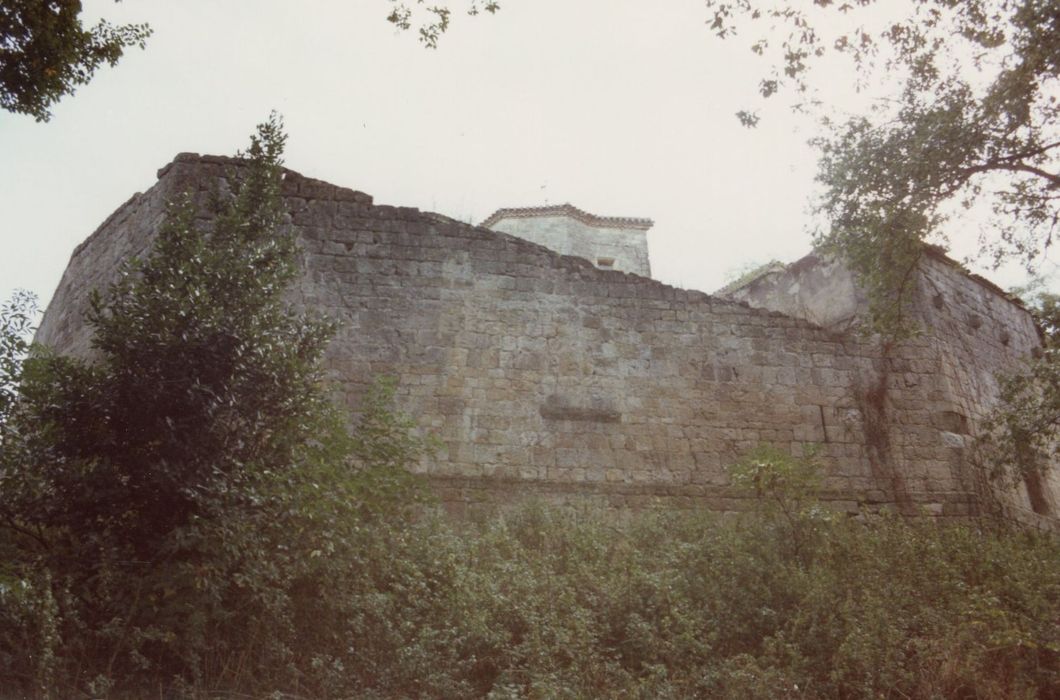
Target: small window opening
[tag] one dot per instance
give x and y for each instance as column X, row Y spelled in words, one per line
column 1036, row 491
column 606, row 263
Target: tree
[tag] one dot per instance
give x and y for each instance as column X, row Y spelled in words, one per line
column 1022, row 434
column 16, row 326
column 430, row 30
column 972, row 123
column 16, row 323
column 153, row 479
column 188, row 510
column 46, row 53
column 204, row 378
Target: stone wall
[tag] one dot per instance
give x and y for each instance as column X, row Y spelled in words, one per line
column 815, row 288
column 981, row 334
column 974, row 332
column 543, row 375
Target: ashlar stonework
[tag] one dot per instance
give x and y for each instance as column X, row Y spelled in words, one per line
column 564, row 377
column 610, row 242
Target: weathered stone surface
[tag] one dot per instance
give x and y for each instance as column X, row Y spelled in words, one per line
column 608, row 242
column 543, row 375
column 972, row 333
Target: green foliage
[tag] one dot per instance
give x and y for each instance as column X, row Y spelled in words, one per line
column 877, row 218
column 1044, row 305
column 383, row 446
column 430, row 30
column 169, row 508
column 26, row 607
column 972, row 124
column 16, row 324
column 553, row 604
column 1024, row 429
column 547, row 603
column 134, row 458
column 45, row 52
column 205, row 383
column 187, row 516
column 1022, row 434
column 778, row 479
column 785, row 489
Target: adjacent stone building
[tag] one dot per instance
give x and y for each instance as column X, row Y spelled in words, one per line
column 609, row 242
column 568, row 377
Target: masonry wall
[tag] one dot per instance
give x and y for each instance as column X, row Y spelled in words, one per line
column 981, row 335
column 542, row 375
column 97, row 261
column 814, row 288
column 974, row 333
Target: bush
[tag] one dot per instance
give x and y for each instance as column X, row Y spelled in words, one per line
column 170, row 508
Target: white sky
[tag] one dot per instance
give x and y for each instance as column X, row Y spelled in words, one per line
column 620, row 107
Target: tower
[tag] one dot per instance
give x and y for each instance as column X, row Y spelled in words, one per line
column 608, row 242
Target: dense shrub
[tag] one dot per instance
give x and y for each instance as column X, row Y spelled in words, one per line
column 552, row 603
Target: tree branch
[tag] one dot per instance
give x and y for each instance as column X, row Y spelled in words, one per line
column 1054, row 180
column 1031, row 153
column 9, row 523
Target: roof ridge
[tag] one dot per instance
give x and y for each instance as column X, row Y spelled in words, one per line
column 751, row 276
column 567, row 209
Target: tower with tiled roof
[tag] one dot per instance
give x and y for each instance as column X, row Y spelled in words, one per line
column 609, row 242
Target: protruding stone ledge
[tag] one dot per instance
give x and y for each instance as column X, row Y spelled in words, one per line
column 595, row 415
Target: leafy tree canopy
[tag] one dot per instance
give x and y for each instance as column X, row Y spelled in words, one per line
column 45, row 52
column 970, row 124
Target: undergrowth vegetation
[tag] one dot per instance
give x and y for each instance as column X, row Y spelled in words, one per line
column 548, row 603
column 187, row 516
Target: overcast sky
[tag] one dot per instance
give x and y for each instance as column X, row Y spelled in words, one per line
column 620, row 107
